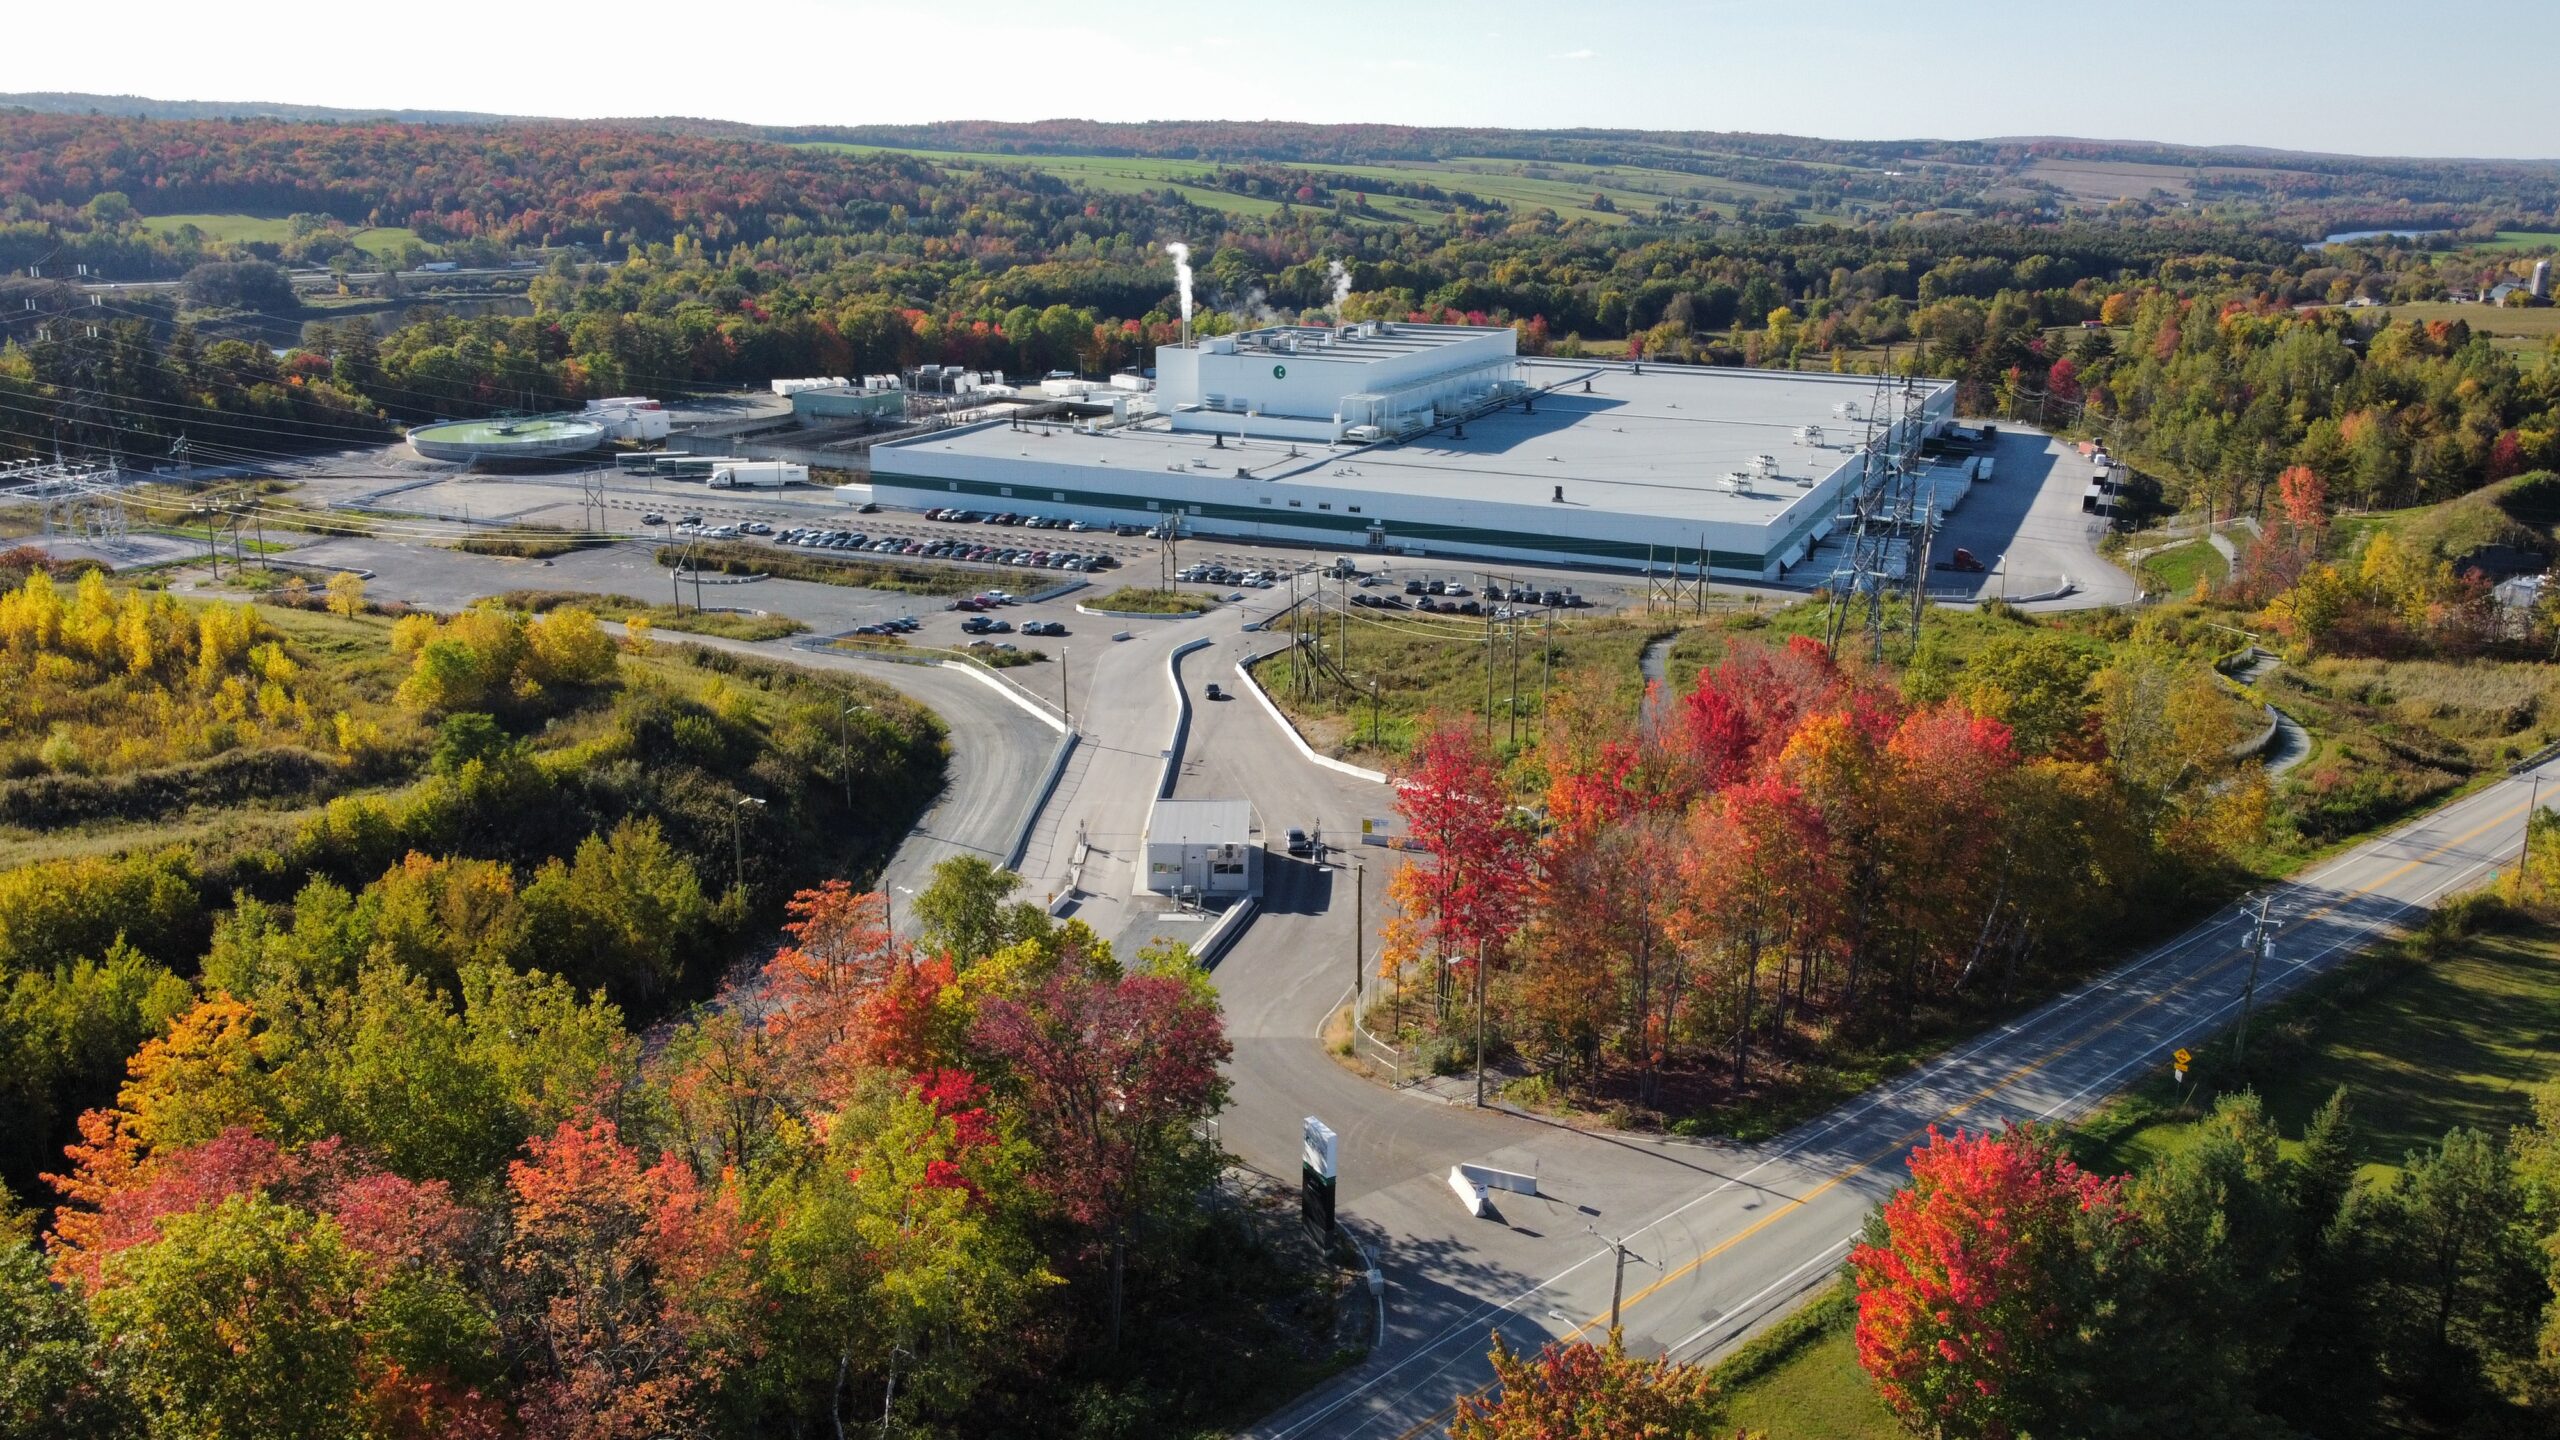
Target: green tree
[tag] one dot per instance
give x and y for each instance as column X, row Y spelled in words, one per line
column 2214, row 1282
column 2463, row 1283
column 55, row 1381
column 625, row 913
column 240, row 1320
column 963, row 911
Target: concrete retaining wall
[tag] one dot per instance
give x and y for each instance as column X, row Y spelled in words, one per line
column 1244, row 673
column 1040, row 799
column 1181, row 716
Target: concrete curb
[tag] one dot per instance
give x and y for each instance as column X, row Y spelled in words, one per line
column 1181, row 715
column 1039, row 708
column 1223, row 934
column 1244, row 672
column 1040, row 799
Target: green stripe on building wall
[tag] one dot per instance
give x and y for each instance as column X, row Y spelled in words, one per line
column 1400, row 532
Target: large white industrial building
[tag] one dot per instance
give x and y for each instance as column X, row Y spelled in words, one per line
column 1442, row 440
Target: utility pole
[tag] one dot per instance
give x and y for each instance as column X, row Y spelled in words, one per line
column 1063, row 712
column 2261, row 949
column 1359, row 895
column 2524, row 849
column 1619, row 1252
column 1479, row 1024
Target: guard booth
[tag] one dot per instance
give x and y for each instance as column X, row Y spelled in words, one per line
column 1203, row 848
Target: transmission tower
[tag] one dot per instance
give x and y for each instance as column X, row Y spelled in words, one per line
column 1890, row 523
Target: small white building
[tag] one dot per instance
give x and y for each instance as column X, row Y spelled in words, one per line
column 1203, row 849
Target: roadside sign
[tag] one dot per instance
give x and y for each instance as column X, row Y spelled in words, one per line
column 2184, row 1059
column 1316, row 1176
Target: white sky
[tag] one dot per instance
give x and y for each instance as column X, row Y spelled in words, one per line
column 2363, row 76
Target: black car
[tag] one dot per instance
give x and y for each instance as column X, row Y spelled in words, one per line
column 653, row 519
column 1300, row 842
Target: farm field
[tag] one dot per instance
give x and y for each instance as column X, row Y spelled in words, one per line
column 377, row 241
column 2512, row 329
column 2522, row 240
column 1563, row 187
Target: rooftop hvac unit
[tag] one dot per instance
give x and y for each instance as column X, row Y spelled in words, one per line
column 1363, row 433
column 1765, row 466
column 1809, row 435
column 1848, row 408
column 1737, row 483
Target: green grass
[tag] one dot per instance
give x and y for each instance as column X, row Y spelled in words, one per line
column 2174, row 571
column 1425, row 666
column 2421, row 1045
column 526, row 541
column 2521, row 240
column 899, row 576
column 727, row 625
column 1799, row 1380
column 378, row 241
column 1147, row 600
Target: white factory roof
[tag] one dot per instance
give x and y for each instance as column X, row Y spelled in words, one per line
column 1655, row 442
column 1200, row 822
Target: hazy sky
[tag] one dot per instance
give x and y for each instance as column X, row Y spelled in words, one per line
column 2362, row 76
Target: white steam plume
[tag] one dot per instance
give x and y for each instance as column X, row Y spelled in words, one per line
column 1341, row 284
column 1181, row 254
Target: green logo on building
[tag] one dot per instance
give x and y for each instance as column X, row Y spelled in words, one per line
column 1279, row 372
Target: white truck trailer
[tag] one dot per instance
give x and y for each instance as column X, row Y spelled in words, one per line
column 759, row 475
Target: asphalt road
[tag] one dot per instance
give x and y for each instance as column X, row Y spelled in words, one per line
column 2026, row 526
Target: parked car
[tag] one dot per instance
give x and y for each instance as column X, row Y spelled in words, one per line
column 1300, row 842
column 1215, row 693
column 653, row 519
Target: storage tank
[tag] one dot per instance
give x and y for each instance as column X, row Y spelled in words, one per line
column 538, row 437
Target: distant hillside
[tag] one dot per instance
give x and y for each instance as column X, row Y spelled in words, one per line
column 141, row 107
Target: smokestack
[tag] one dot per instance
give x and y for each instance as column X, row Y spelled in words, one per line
column 1341, row 284
column 1181, row 254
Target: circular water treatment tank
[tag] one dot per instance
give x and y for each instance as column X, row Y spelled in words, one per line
column 540, row 437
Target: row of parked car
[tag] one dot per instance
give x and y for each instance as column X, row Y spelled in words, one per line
column 900, row 626
column 1027, row 522
column 927, row 549
column 1222, row 575
column 1557, row 599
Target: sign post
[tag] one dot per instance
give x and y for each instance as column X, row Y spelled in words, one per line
column 1316, row 1176
column 2184, row 1059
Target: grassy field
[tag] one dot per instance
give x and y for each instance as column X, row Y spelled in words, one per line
column 2422, row 1045
column 1148, row 600
column 726, row 624
column 1524, row 185
column 2174, row 571
column 2522, row 240
column 377, row 241
column 2511, row 327
column 1422, row 666
column 905, row 577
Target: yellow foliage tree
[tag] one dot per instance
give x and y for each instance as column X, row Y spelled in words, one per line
column 346, row 594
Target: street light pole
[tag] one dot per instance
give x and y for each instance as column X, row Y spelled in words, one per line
column 738, row 838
